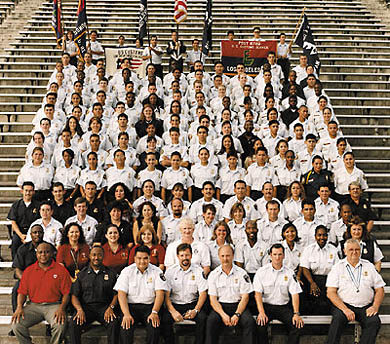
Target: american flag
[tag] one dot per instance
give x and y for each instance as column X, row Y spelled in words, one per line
column 180, row 13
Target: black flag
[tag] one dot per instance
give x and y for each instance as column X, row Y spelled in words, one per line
column 81, row 31
column 143, row 20
column 207, row 34
column 305, row 40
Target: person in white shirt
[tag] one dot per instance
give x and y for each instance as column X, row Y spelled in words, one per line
column 170, row 224
column 94, row 47
column 186, row 295
column 293, row 202
column 316, row 262
column 339, row 227
column 274, row 284
column 327, row 209
column 120, row 172
column 356, row 291
column 194, row 55
column 153, row 54
column 301, row 68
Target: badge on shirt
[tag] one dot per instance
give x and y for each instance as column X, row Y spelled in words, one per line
column 247, row 279
column 34, row 211
column 96, row 210
column 286, row 278
column 124, row 255
column 184, row 174
column 53, row 231
column 162, row 276
column 204, row 275
column 236, row 281
column 331, row 256
column 55, row 276
column 365, row 273
column 261, row 253
column 150, row 280
column 364, row 206
column 196, row 251
column 89, row 228
column 106, row 277
column 299, row 254
column 365, row 251
column 193, row 278
column 47, row 170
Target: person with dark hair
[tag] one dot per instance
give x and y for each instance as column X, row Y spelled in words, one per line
column 274, row 284
column 62, row 209
column 141, row 289
column 147, row 216
column 48, row 296
column 73, row 251
column 22, row 214
column 93, row 298
column 316, row 262
column 205, row 227
column 186, row 296
column 357, row 230
column 176, row 51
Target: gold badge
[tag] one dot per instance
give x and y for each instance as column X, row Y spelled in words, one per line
column 96, row 210
column 331, row 256
column 365, row 251
column 106, row 277
column 261, row 253
column 236, row 281
column 150, row 280
column 299, row 254
column 193, row 278
column 364, row 206
column 286, row 278
column 53, row 231
column 365, row 273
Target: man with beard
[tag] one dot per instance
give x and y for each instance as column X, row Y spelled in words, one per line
column 186, row 295
column 93, row 298
column 170, row 224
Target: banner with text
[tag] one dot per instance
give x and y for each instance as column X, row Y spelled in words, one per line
column 251, row 53
column 114, row 58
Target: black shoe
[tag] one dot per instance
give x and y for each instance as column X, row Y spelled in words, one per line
column 11, row 333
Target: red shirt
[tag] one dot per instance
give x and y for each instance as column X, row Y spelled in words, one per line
column 45, row 286
column 157, row 255
column 118, row 260
column 64, row 257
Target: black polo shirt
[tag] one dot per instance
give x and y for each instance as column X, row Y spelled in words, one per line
column 22, row 215
column 62, row 212
column 363, row 209
column 96, row 210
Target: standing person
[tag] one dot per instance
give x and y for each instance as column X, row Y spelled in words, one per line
column 22, row 214
column 141, row 288
column 283, row 55
column 187, row 293
column 153, row 54
column 229, row 289
column 195, row 55
column 48, row 296
column 93, row 298
column 95, row 48
column 176, row 51
column 69, row 46
column 273, row 285
column 356, row 291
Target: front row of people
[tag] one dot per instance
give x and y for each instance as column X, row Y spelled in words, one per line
column 354, row 288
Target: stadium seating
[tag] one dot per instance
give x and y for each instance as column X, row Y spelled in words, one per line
column 353, row 46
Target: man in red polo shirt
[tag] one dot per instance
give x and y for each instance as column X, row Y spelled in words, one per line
column 47, row 284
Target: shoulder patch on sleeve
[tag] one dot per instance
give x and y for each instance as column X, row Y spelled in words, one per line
column 247, row 279
column 204, row 275
column 162, row 276
column 295, row 278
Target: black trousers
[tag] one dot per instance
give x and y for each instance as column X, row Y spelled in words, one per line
column 16, row 242
column 140, row 313
column 167, row 323
column 215, row 324
column 316, row 305
column 92, row 315
column 15, row 295
column 284, row 314
column 370, row 325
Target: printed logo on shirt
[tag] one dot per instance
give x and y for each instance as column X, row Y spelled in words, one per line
column 55, row 276
column 106, row 277
column 96, row 210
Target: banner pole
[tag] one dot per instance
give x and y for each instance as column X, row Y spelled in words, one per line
column 296, row 29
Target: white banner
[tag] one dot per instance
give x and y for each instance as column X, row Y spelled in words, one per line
column 115, row 55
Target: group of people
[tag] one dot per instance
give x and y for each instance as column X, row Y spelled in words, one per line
column 197, row 196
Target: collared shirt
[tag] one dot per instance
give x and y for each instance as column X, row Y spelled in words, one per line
column 141, row 287
column 252, row 257
column 185, row 285
column 342, row 179
column 67, row 176
column 237, row 231
column 337, row 230
column 292, row 256
column 73, row 260
column 170, row 229
column 51, row 233
column 270, row 232
column 157, row 202
column 283, row 50
column 305, row 159
column 24, row 215
column 248, row 203
column 358, row 296
column 170, row 177
column 25, row 256
column 155, row 58
column 196, row 210
column 276, row 285
column 307, row 230
column 229, row 288
column 95, row 289
column 98, row 176
column 327, row 213
column 286, row 176
column 261, row 205
column 227, row 178
column 125, row 175
column 200, row 254
column 154, row 175
column 201, row 174
column 292, row 209
column 258, row 175
column 41, row 176
column 319, row 260
column 203, row 232
column 118, row 260
column 45, row 286
column 213, row 248
column 88, row 225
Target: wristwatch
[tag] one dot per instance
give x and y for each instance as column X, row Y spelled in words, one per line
column 237, row 314
column 154, row 312
column 297, row 313
column 112, row 306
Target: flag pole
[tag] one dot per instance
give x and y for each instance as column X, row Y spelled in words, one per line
column 86, row 17
column 296, row 29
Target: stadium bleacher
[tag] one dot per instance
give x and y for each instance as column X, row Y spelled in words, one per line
column 354, row 49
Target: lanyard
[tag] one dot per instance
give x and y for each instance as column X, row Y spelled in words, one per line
column 355, row 281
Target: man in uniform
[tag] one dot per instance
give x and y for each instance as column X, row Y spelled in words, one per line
column 186, row 296
column 229, row 289
column 141, row 289
column 62, row 209
column 356, row 291
column 170, row 223
column 93, row 298
column 47, row 285
column 22, row 214
column 273, row 285
column 95, row 206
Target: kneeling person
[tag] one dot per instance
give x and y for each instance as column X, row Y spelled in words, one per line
column 186, row 295
column 93, row 298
